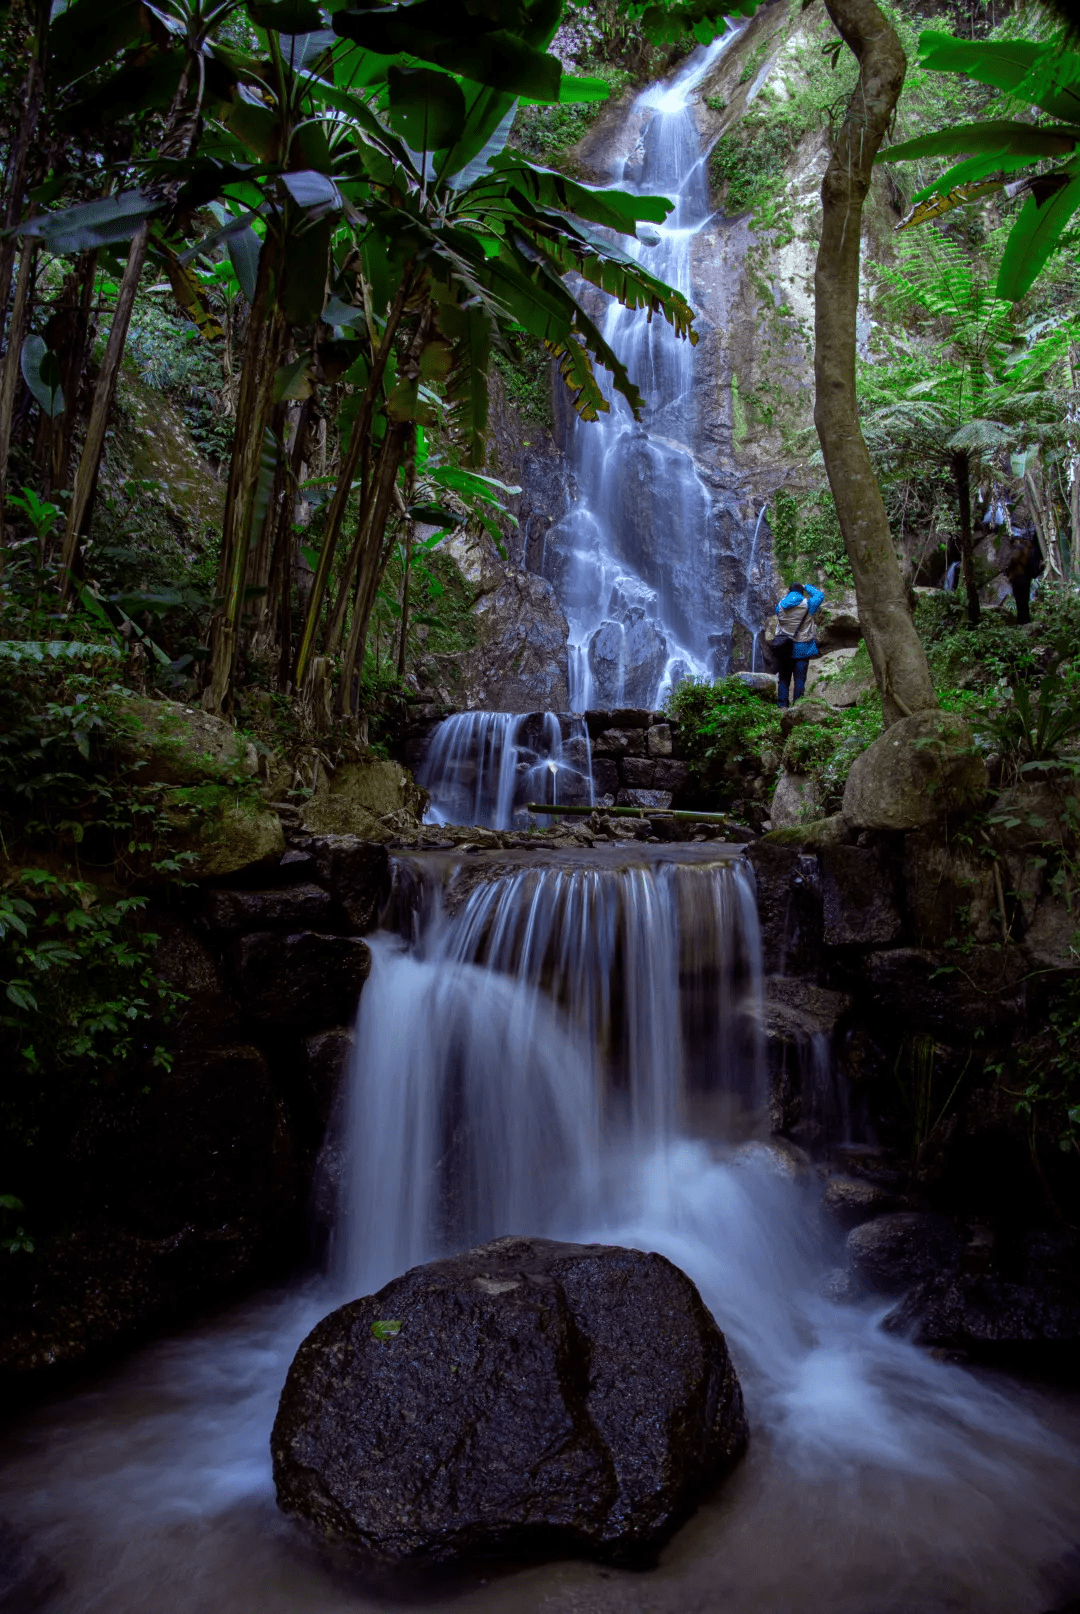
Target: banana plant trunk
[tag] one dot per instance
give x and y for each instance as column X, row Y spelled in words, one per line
column 405, row 567
column 266, row 331
column 373, row 556
column 961, row 470
column 896, row 653
column 359, row 441
column 82, row 497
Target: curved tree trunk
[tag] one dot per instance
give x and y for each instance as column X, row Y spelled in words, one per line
column 896, row 652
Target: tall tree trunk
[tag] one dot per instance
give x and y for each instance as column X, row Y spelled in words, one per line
column 372, row 558
column 357, row 443
column 279, row 597
column 104, row 392
column 9, row 377
column 961, row 470
column 265, row 338
column 896, row 653
column 406, row 564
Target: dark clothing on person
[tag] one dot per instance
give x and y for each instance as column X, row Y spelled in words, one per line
column 790, row 666
column 1023, row 563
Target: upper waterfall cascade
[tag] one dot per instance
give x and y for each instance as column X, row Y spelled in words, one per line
column 655, row 563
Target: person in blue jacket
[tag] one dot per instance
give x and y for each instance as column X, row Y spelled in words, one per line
column 794, row 643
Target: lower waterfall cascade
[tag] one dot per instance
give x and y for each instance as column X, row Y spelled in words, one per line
column 484, row 767
column 570, row 1046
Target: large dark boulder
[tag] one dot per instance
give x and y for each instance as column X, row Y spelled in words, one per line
column 1036, row 1325
column 305, row 980
column 893, row 1252
column 536, row 1398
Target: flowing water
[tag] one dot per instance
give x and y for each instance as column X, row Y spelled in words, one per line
column 570, row 1049
column 485, row 767
column 654, row 563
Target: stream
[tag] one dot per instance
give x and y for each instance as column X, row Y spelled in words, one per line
column 568, row 1044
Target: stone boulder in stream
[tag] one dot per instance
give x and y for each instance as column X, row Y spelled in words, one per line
column 527, row 1397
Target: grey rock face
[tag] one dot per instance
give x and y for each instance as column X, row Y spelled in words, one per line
column 857, row 901
column 893, row 1252
column 536, row 1397
column 627, row 660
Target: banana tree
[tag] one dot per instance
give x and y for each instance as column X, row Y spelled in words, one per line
column 172, row 53
column 1043, row 76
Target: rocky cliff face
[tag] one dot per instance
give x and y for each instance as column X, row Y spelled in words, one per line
column 682, row 572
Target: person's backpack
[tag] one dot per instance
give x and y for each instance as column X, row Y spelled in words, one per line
column 778, row 638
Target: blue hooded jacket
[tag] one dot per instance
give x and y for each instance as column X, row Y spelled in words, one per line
column 812, row 599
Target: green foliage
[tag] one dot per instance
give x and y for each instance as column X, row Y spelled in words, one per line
column 548, row 132
column 77, row 974
column 723, row 725
column 807, row 538
column 1045, row 75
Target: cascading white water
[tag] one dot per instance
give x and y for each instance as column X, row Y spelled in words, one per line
column 560, row 1018
column 511, row 1076
column 484, row 767
column 650, row 571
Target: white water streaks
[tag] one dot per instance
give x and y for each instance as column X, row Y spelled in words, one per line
column 636, row 562
column 511, row 1077
column 484, row 767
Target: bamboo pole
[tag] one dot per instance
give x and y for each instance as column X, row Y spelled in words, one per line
column 683, row 815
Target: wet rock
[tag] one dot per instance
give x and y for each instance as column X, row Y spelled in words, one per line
column 302, row 980
column 222, row 838
column 627, row 660
column 1028, row 816
column 535, row 1397
column 850, row 1201
column 804, row 712
column 795, row 800
column 605, row 776
column 619, row 742
column 789, row 907
column 857, row 901
column 292, row 907
column 893, row 1252
column 326, row 1055
column 948, row 893
column 1050, row 942
column 926, row 993
column 643, row 798
column 654, row 773
column 658, row 740
column 356, row 873
column 914, row 774
column 1031, row 1324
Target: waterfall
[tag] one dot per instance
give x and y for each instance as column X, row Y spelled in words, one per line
column 560, row 1021
column 642, row 562
column 483, row 767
